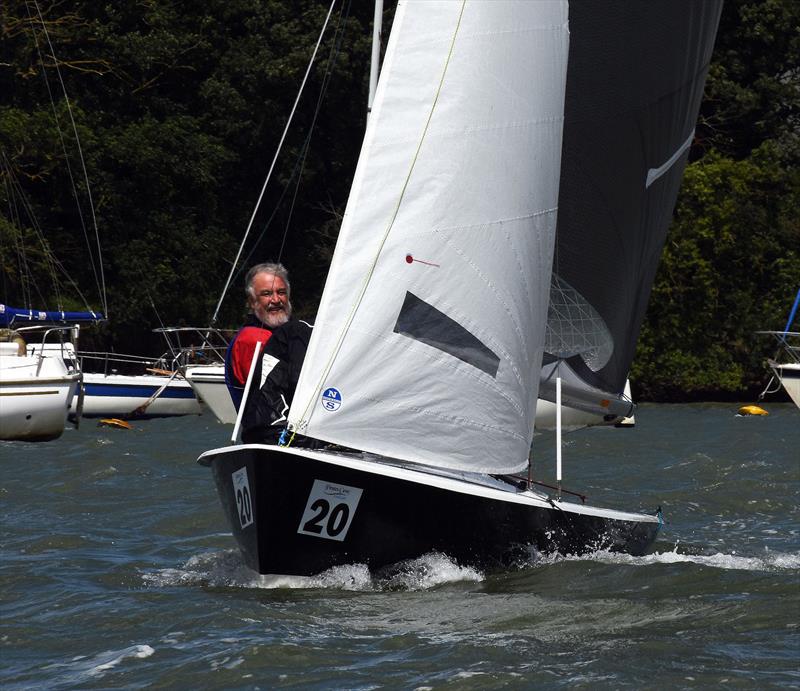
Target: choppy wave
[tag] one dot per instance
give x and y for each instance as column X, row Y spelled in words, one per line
column 95, row 667
column 227, row 569
column 769, row 561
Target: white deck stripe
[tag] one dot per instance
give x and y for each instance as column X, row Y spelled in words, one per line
column 431, row 479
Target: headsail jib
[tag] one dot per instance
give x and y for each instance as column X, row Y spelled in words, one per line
column 436, row 361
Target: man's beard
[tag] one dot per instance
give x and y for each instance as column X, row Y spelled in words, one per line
column 274, row 319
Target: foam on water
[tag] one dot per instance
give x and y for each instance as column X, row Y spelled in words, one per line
column 112, row 659
column 769, row 562
column 216, row 569
column 227, row 569
column 82, row 667
column 428, row 571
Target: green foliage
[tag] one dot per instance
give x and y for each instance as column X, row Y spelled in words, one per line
column 752, row 91
column 180, row 107
column 731, row 267
column 179, row 110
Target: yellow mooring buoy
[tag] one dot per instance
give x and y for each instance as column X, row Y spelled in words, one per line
column 114, row 422
column 752, row 410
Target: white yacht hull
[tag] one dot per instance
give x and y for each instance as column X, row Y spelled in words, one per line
column 119, row 395
column 572, row 418
column 34, row 397
column 208, row 382
column 789, row 375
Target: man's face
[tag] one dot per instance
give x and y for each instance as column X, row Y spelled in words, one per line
column 270, row 301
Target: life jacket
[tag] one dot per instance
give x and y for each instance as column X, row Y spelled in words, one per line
column 274, row 383
column 252, row 331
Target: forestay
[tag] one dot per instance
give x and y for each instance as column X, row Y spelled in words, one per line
column 429, row 338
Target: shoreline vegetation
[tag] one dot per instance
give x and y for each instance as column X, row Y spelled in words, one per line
column 179, row 111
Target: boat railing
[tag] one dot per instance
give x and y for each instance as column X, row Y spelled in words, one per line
column 186, row 346
column 52, row 341
column 788, row 344
column 118, row 363
column 192, row 345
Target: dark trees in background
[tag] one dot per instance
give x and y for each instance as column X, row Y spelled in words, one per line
column 180, row 106
column 731, row 263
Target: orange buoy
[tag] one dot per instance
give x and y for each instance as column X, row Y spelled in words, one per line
column 752, row 410
column 114, row 422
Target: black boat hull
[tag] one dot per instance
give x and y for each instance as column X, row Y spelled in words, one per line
column 297, row 512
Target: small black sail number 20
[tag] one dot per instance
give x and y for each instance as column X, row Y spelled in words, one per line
column 244, row 502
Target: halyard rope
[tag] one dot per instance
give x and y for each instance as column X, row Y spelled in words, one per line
column 272, row 166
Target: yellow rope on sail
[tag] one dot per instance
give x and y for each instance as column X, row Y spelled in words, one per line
column 368, row 277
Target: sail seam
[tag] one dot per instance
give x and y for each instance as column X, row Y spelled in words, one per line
column 459, row 133
column 655, row 173
column 500, row 222
column 516, row 124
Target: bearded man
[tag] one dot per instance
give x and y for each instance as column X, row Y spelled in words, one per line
column 268, row 298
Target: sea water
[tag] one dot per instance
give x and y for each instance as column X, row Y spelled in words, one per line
column 118, row 570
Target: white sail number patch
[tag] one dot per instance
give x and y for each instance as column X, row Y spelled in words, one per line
column 329, row 510
column 244, row 502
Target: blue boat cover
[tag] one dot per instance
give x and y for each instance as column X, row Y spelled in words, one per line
column 15, row 315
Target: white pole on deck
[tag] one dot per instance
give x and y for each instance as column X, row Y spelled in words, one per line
column 558, row 435
column 237, row 428
column 376, row 53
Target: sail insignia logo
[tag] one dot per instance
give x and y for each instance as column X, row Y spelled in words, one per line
column 331, row 399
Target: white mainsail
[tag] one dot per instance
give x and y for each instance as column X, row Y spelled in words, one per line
column 429, row 337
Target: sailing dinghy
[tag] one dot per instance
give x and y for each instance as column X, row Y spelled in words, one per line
column 428, row 346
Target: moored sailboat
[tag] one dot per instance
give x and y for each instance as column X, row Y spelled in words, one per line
column 202, row 365
column 137, row 396
column 788, row 373
column 39, row 377
column 428, row 346
column 134, row 387
column 785, row 363
column 208, row 381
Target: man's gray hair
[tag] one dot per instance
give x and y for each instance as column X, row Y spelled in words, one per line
column 274, row 268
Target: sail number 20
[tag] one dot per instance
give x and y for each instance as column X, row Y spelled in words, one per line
column 244, row 500
column 329, row 510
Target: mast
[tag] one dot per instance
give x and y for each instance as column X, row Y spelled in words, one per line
column 374, row 67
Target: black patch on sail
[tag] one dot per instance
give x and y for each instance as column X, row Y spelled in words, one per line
column 423, row 322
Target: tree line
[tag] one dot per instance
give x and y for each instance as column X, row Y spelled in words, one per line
column 179, row 108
